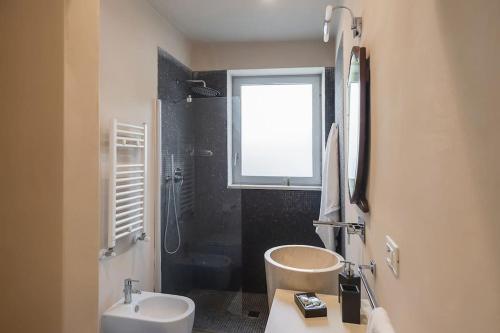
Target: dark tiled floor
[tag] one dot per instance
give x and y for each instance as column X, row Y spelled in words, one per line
column 228, row 311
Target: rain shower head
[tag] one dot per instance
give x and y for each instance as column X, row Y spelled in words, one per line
column 203, row 90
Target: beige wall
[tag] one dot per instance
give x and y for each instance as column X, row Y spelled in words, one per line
column 131, row 32
column 248, row 55
column 31, row 141
column 48, row 99
column 434, row 168
column 81, row 166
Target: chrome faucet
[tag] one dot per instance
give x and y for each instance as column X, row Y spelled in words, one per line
column 128, row 290
column 352, row 228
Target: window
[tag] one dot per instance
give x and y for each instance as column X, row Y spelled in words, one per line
column 275, row 129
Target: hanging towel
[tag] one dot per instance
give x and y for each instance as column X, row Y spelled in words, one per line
column 330, row 196
column 379, row 322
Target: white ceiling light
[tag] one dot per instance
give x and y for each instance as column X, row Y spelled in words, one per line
column 355, row 23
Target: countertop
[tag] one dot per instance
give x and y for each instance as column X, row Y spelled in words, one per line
column 286, row 317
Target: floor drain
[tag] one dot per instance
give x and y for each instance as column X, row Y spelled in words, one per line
column 253, row 314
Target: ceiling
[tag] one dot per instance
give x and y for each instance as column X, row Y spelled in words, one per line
column 245, row 20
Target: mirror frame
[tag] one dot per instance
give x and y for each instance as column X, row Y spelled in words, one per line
column 358, row 196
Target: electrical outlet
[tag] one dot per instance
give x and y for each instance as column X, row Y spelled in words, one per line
column 392, row 255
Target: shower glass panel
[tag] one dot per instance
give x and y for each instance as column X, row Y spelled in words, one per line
column 201, row 220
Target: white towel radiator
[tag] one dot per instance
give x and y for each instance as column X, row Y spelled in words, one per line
column 127, row 183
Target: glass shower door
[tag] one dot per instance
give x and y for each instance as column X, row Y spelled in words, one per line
column 201, row 219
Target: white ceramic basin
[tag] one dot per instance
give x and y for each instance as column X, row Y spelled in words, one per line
column 151, row 313
column 302, row 268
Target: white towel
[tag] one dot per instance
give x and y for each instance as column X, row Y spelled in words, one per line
column 379, row 322
column 330, row 196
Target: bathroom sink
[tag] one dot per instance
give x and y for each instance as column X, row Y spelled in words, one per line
column 302, row 268
column 150, row 312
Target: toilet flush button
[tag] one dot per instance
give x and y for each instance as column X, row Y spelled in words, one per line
column 392, row 255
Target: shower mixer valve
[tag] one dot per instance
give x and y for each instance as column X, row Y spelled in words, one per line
column 177, row 176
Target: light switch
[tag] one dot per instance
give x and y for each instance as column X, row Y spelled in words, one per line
column 392, row 255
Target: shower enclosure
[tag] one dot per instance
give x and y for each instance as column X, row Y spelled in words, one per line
column 201, row 255
column 213, row 239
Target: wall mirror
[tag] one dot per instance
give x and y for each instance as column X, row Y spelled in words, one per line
column 357, row 110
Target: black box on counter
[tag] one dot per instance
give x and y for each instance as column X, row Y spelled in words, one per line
column 310, row 311
column 350, row 296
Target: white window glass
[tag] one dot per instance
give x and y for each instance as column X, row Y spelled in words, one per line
column 276, row 130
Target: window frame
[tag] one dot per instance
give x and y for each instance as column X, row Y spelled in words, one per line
column 315, row 75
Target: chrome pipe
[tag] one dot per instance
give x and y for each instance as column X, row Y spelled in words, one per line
column 369, row 290
column 336, row 224
column 351, row 228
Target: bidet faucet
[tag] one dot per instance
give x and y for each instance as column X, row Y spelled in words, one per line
column 128, row 290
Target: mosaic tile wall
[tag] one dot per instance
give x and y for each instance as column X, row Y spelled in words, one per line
column 222, row 230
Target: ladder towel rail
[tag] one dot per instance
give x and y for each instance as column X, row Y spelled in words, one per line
column 127, row 182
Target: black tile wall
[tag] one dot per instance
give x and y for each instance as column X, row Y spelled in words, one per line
column 177, row 140
column 209, row 214
column 218, row 209
column 269, row 218
column 172, row 76
column 331, row 116
column 238, row 225
column 329, row 99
